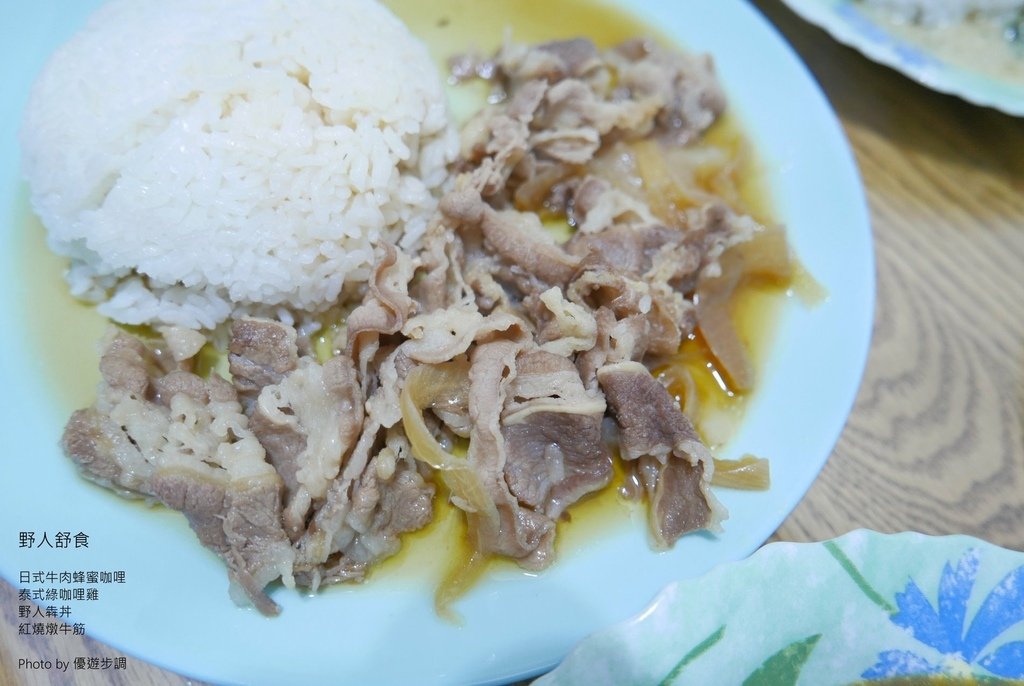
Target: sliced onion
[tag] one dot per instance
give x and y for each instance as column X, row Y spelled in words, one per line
column 714, row 319
column 462, row 577
column 439, row 386
column 430, row 385
column 766, row 256
column 666, row 198
column 681, row 386
column 530, row 196
column 748, row 473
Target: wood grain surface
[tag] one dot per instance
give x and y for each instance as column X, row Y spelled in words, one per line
column 935, row 442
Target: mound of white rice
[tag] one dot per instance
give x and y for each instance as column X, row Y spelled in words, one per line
column 199, row 158
column 944, row 11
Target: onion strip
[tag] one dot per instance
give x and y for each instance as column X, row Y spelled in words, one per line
column 665, row 197
column 462, row 577
column 748, row 473
column 767, row 257
column 437, row 385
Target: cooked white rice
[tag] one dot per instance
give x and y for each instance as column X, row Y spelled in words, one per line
column 944, row 11
column 199, row 158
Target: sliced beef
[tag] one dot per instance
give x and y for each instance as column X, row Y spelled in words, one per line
column 594, row 205
column 555, row 458
column 383, row 311
column 550, row 61
column 563, row 327
column 516, row 237
column 565, row 100
column 650, row 422
column 391, row 498
column 495, row 141
column 119, row 441
column 520, row 533
column 105, row 453
column 653, row 429
column 556, row 452
column 239, row 519
column 260, row 353
column 442, row 335
column 308, row 422
column 680, row 501
column 565, row 130
column 327, row 532
column 617, row 340
column 630, row 250
column 611, row 289
column 186, row 442
column 714, row 228
column 684, row 85
column 535, row 181
column 438, row 278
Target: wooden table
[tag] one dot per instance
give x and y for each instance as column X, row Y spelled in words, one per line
column 935, row 442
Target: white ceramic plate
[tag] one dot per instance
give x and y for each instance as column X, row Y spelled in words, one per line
column 173, row 608
column 846, row 24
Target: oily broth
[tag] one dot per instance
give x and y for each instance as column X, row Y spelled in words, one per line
column 67, row 332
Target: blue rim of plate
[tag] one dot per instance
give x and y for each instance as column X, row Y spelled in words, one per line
column 841, row 20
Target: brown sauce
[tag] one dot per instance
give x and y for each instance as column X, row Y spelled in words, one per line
column 67, row 332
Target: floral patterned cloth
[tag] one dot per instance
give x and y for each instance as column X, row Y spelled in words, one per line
column 863, row 608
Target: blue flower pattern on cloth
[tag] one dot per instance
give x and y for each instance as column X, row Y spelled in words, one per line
column 862, row 608
column 943, row 628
